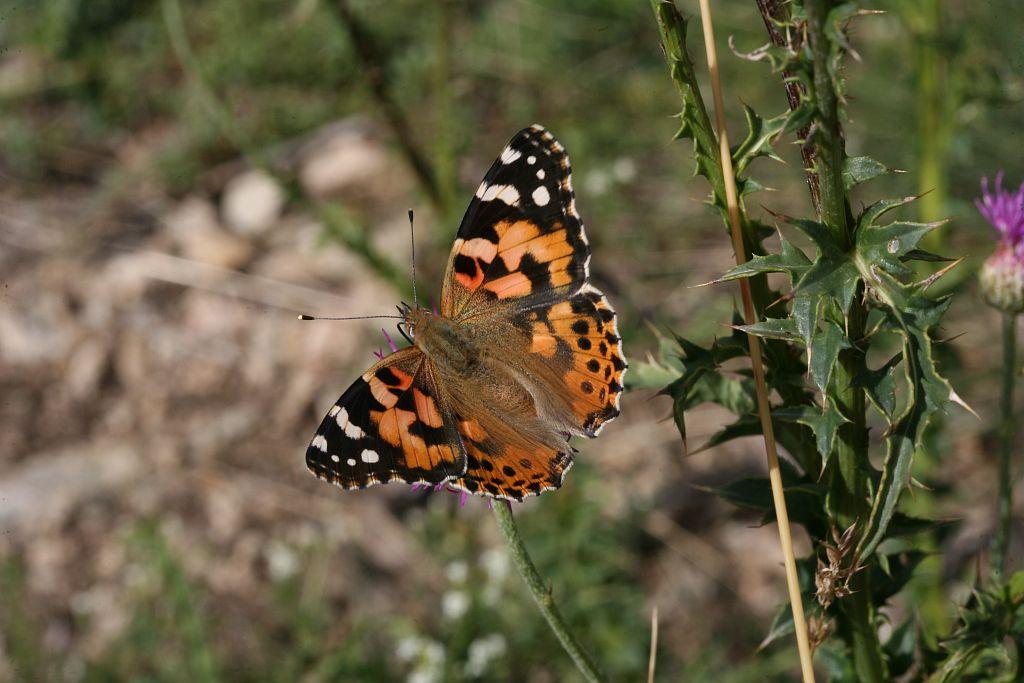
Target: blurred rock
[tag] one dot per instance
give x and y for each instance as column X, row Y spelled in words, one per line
column 85, row 368
column 194, row 227
column 39, row 494
column 347, row 159
column 252, row 203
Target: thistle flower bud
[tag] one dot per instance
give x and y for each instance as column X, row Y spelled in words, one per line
column 1002, row 279
column 1002, row 275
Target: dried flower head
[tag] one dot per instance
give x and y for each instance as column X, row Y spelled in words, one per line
column 832, row 579
column 1002, row 275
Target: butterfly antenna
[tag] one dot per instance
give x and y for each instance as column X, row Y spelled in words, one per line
column 303, row 316
column 412, row 239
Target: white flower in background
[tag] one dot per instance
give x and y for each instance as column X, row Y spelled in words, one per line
column 495, row 566
column 282, row 562
column 427, row 657
column 624, row 169
column 597, row 182
column 482, row 652
column 409, row 647
column 454, row 604
column 457, row 571
column 423, row 676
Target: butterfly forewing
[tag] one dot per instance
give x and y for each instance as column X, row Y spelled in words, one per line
column 393, row 423
column 521, row 239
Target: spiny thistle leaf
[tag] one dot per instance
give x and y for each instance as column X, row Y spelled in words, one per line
column 857, row 170
column 779, row 57
column 826, row 343
column 976, row 650
column 886, row 246
column 823, row 424
column 782, row 624
column 914, row 314
column 799, row 118
column 804, row 497
column 774, row 328
column 760, row 133
column 880, row 385
column 789, row 260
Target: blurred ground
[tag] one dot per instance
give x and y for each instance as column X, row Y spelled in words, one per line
column 156, row 392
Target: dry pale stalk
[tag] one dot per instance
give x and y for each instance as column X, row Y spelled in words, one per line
column 763, row 409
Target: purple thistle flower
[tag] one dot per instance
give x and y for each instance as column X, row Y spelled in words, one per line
column 1005, row 211
column 1002, row 275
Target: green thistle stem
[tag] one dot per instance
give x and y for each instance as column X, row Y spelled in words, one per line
column 1002, row 543
column 848, row 498
column 542, row 594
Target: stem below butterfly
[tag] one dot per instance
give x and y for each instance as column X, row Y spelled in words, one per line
column 542, row 595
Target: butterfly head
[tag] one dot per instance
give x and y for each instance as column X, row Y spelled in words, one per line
column 413, row 318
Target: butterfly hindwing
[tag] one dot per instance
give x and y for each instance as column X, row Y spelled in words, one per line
column 521, row 241
column 510, row 470
column 391, row 424
column 579, row 339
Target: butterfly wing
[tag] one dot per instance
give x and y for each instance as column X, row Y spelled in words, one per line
column 566, row 358
column 577, row 342
column 521, row 240
column 510, row 470
column 392, row 424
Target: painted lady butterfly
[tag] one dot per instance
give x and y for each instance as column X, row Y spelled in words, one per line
column 524, row 353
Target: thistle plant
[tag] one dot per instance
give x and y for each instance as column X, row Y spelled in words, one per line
column 1002, row 284
column 854, row 292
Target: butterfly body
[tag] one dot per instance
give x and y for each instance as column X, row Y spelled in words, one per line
column 449, row 345
column 523, row 354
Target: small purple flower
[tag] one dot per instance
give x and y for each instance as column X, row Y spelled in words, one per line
column 1002, row 275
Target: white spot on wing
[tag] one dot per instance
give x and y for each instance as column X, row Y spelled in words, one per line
column 369, row 456
column 334, row 411
column 540, row 174
column 320, row 442
column 531, row 160
column 335, row 458
column 508, row 155
column 505, row 193
column 541, row 196
column 351, row 462
column 351, row 431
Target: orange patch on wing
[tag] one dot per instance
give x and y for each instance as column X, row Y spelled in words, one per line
column 393, row 423
column 559, row 272
column 511, row 285
column 472, row 430
column 512, row 234
column 470, row 283
column 544, row 249
column 381, row 392
column 544, row 344
column 478, row 248
column 561, row 310
column 427, row 409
